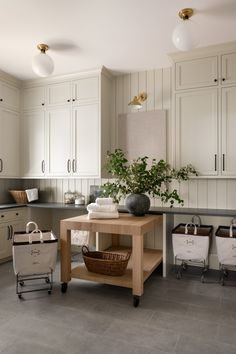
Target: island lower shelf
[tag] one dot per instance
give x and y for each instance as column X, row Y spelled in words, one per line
column 151, row 259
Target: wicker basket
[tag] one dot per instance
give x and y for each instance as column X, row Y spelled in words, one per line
column 106, row 263
column 20, row 197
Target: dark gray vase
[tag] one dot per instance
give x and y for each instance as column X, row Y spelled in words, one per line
column 137, row 204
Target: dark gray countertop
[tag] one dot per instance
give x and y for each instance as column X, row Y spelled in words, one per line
column 153, row 210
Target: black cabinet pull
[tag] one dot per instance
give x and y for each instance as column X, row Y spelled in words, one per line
column 215, row 80
column 215, row 162
column 43, row 104
column 68, row 100
column 2, row 216
column 1, row 165
column 1, row 99
column 223, row 162
column 73, row 99
column 223, row 79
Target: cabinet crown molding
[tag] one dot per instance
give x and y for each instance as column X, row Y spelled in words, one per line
column 204, row 51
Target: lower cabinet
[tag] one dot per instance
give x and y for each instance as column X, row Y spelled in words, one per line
column 10, row 221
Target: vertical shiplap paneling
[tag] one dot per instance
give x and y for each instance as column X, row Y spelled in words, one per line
column 158, row 89
column 134, row 84
column 142, row 87
column 150, row 90
column 119, row 103
column 221, row 196
column 211, row 194
column 167, row 106
column 184, row 192
column 202, row 200
column 192, row 193
column 126, row 93
column 113, row 116
column 231, row 194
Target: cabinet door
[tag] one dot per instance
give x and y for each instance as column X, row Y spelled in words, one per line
column 34, row 98
column 5, row 241
column 228, row 65
column 196, row 73
column 87, row 143
column 85, row 89
column 58, row 142
column 33, row 139
column 228, row 158
column 59, row 93
column 10, row 96
column 9, row 143
column 196, row 130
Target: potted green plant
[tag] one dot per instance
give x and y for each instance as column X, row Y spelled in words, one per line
column 138, row 180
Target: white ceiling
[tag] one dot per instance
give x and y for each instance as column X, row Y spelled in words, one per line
column 123, row 35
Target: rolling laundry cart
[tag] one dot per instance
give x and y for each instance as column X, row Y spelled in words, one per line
column 34, row 258
column 226, row 249
column 191, row 245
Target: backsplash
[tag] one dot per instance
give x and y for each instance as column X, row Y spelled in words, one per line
column 5, row 185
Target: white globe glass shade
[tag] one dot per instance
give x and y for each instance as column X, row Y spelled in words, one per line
column 42, row 65
column 185, row 36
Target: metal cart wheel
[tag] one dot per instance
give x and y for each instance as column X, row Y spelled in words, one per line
column 184, row 266
column 21, row 283
column 178, row 274
column 136, row 299
column 19, row 296
column 63, row 287
column 49, row 292
column 47, row 280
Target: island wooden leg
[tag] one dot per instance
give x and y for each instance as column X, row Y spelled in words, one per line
column 137, row 271
column 65, row 242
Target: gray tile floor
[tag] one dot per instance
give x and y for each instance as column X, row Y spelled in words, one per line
column 175, row 316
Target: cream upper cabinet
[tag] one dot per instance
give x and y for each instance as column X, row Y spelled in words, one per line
column 77, row 125
column 33, row 144
column 34, row 98
column 196, row 130
column 228, row 65
column 9, row 143
column 59, row 93
column 196, row 73
column 58, row 142
column 86, row 131
column 228, row 124
column 85, row 89
column 9, row 96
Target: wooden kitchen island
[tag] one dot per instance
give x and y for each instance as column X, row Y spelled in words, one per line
column 141, row 264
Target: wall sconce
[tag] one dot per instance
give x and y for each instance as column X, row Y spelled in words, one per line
column 42, row 64
column 184, row 35
column 137, row 100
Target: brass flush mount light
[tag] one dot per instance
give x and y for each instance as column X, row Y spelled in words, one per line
column 42, row 64
column 137, row 100
column 184, row 35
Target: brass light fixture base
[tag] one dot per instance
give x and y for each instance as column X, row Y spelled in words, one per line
column 136, row 101
column 185, row 14
column 43, row 47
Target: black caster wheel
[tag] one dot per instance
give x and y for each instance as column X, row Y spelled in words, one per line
column 222, row 281
column 136, row 300
column 184, row 266
column 19, row 296
column 49, row 292
column 178, row 275
column 47, row 280
column 22, row 283
column 226, row 273
column 63, row 287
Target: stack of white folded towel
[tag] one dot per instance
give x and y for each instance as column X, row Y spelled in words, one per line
column 103, row 208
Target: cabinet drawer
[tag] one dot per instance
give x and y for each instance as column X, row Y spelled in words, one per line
column 12, row 214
